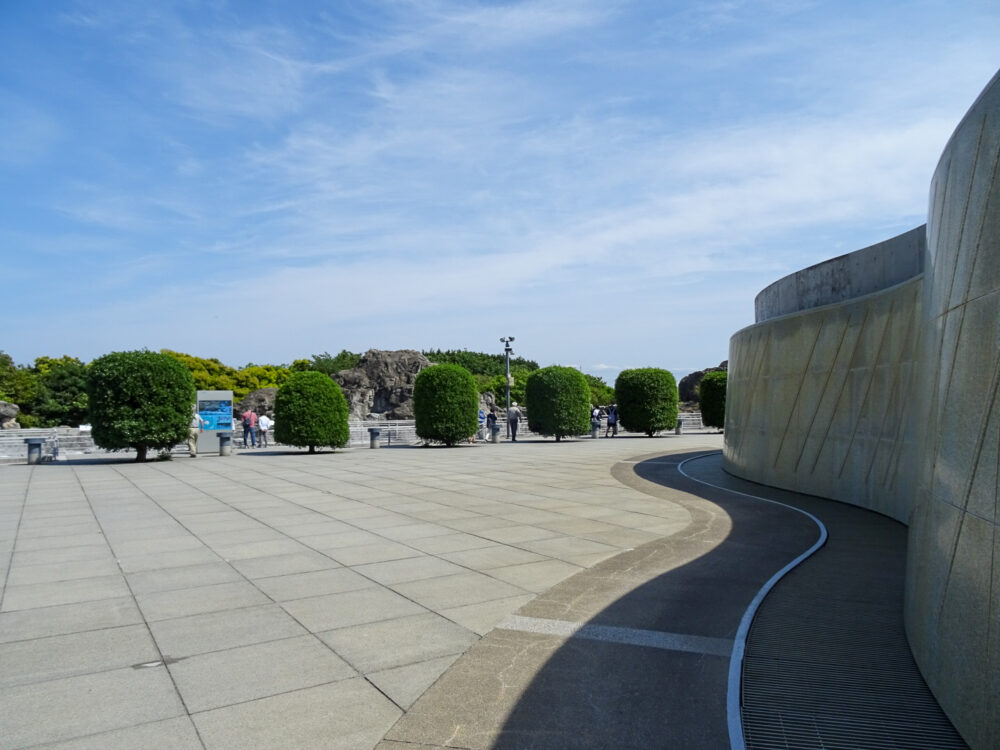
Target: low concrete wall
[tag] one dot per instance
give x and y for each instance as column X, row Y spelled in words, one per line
column 848, row 277
column 891, row 400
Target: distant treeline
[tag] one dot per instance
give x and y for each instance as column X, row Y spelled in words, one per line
column 52, row 391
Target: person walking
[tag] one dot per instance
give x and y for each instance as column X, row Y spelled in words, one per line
column 612, row 421
column 197, row 425
column 249, row 427
column 491, row 421
column 514, row 416
column 264, row 423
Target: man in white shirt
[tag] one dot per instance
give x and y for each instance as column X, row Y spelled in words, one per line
column 264, row 423
column 197, row 425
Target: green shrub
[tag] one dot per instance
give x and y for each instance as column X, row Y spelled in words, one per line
column 601, row 394
column 62, row 392
column 558, row 402
column 310, row 410
column 139, row 400
column 445, row 404
column 647, row 400
column 497, row 385
column 712, row 397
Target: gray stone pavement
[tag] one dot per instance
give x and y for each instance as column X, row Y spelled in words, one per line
column 279, row 600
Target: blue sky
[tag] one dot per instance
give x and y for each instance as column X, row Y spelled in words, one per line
column 609, row 182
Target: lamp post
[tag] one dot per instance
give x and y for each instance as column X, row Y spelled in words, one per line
column 507, row 350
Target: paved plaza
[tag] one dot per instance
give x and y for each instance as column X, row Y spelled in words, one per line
column 275, row 599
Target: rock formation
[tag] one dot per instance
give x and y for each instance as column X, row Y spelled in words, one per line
column 686, row 388
column 381, row 386
column 8, row 416
column 260, row 401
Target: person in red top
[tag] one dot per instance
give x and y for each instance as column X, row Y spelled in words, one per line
column 250, row 427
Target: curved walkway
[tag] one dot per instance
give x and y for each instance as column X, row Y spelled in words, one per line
column 827, row 663
column 635, row 652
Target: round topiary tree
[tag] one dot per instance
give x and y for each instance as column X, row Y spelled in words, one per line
column 647, row 400
column 445, row 404
column 558, row 402
column 310, row 410
column 712, row 398
column 139, row 400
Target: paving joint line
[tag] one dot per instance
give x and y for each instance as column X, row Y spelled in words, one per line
column 625, row 636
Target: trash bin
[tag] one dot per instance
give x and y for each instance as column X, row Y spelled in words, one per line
column 495, row 433
column 225, row 443
column 34, row 449
column 677, row 429
column 595, row 427
column 373, row 434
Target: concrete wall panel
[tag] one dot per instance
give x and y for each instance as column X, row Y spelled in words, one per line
column 867, row 381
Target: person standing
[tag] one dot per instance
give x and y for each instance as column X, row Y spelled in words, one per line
column 612, row 421
column 197, row 425
column 264, row 422
column 249, row 427
column 514, row 417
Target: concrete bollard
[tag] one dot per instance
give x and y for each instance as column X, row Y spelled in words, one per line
column 495, row 433
column 595, row 427
column 677, row 429
column 225, row 443
column 34, row 449
column 373, row 434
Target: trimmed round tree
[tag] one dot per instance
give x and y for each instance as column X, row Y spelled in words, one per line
column 310, row 410
column 139, row 400
column 712, row 399
column 558, row 402
column 445, row 404
column 647, row 400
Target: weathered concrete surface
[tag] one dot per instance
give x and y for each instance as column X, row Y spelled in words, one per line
column 953, row 587
column 820, row 401
column 847, row 277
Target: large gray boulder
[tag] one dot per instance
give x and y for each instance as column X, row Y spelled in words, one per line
column 8, row 416
column 260, row 401
column 381, row 386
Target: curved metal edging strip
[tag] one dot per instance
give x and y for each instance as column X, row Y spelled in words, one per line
column 739, row 643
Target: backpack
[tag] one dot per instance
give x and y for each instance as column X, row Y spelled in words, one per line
column 246, row 422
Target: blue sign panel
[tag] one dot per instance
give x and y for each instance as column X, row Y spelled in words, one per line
column 218, row 414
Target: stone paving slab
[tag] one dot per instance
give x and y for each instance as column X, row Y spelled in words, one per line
column 282, row 599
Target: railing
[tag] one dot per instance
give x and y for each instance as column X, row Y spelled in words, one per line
column 397, row 432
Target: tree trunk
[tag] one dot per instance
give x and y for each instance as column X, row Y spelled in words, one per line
column 140, row 454
column 312, row 448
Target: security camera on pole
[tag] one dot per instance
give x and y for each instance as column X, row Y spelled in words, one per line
column 507, row 350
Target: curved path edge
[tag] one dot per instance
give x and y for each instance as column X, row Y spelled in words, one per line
column 633, row 651
column 733, row 704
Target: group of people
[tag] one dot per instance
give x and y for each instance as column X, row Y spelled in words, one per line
column 515, row 415
column 607, row 412
column 255, row 427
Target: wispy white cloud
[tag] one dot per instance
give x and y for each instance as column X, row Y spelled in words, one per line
column 464, row 168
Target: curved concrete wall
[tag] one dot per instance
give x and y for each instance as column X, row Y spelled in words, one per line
column 848, row 277
column 953, row 579
column 891, row 400
column 817, row 401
